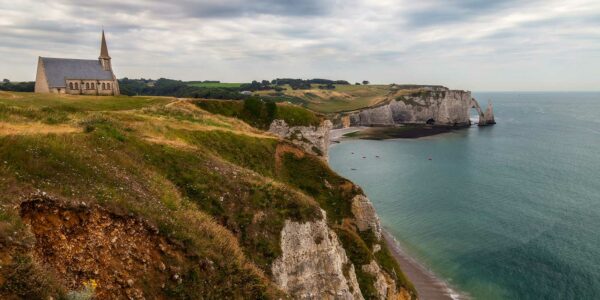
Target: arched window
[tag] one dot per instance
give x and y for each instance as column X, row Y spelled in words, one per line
column 103, row 86
column 87, row 85
column 108, row 86
column 92, row 86
column 76, row 85
column 70, row 85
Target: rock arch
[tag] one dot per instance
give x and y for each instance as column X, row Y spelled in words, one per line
column 485, row 118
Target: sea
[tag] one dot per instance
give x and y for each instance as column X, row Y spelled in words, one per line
column 510, row 211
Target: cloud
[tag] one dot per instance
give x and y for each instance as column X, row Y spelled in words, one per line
column 382, row 41
column 437, row 12
column 213, row 8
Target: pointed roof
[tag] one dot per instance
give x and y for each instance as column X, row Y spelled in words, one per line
column 104, row 48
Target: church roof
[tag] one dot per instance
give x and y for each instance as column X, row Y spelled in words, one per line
column 59, row 69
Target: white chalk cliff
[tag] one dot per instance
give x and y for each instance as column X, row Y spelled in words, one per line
column 312, row 263
column 312, row 139
column 434, row 105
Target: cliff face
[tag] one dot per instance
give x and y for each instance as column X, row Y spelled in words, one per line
column 314, row 264
column 365, row 216
column 436, row 106
column 312, row 139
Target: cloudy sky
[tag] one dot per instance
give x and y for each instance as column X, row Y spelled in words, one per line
column 464, row 44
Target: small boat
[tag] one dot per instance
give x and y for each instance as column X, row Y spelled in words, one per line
column 353, row 169
column 377, row 156
column 430, row 158
column 364, row 157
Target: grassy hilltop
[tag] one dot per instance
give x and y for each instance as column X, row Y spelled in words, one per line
column 343, row 97
column 126, row 196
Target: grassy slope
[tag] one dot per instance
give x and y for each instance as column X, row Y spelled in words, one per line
column 346, row 97
column 342, row 98
column 216, row 185
column 292, row 114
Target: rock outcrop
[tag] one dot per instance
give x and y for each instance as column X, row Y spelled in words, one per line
column 313, row 264
column 312, row 139
column 385, row 286
column 488, row 116
column 365, row 216
column 432, row 105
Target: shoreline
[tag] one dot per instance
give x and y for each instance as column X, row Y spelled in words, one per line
column 385, row 133
column 428, row 286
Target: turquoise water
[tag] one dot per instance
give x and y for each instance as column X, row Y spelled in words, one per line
column 504, row 212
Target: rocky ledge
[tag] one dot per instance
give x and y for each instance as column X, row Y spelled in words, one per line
column 312, row 139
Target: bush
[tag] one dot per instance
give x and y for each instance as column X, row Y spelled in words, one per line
column 176, row 88
column 27, row 86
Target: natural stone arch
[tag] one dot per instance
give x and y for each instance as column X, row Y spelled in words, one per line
column 475, row 105
column 485, row 118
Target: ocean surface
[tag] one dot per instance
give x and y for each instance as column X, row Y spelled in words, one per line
column 504, row 212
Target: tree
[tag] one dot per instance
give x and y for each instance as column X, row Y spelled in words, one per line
column 6, row 80
column 358, row 83
column 271, row 110
column 365, row 82
column 253, row 106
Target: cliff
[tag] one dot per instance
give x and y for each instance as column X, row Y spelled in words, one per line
column 431, row 105
column 313, row 139
column 313, row 264
column 155, row 198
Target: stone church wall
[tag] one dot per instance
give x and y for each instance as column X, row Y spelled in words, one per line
column 41, row 82
column 80, row 87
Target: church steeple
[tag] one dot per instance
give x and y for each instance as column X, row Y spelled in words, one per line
column 104, row 57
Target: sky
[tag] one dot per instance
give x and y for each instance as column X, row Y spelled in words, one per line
column 462, row 44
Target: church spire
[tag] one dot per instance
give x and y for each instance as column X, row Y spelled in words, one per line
column 104, row 57
column 103, row 47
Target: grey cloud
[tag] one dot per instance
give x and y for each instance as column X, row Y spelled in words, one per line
column 441, row 12
column 235, row 8
column 216, row 8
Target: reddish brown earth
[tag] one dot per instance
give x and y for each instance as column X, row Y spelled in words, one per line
column 121, row 254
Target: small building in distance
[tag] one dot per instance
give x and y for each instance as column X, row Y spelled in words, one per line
column 77, row 76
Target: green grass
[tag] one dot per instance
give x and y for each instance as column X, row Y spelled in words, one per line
column 293, row 115
column 359, row 254
column 297, row 116
column 213, row 185
column 103, row 166
column 73, row 103
column 342, row 98
column 215, row 84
